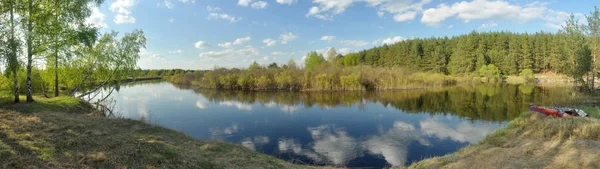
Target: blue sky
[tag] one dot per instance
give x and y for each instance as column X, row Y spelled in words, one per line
column 202, row 34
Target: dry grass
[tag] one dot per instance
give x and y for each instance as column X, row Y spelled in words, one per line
column 531, row 141
column 42, row 135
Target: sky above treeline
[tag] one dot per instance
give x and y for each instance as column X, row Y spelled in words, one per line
column 202, row 34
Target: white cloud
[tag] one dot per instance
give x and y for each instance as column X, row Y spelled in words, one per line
column 224, row 16
column 344, row 51
column 393, row 144
column 287, row 37
column 97, row 19
column 171, row 20
column 289, row 2
column 488, row 25
column 405, row 16
column 226, row 45
column 334, row 144
column 327, row 38
column 123, row 10
column 169, row 4
column 244, row 2
column 259, row 5
column 389, row 41
column 357, row 43
column 450, row 26
column 557, row 19
column 176, row 51
column 241, row 41
column 269, row 42
column 124, row 19
column 403, row 10
column 201, row 44
column 230, row 54
column 212, row 9
column 483, row 9
column 201, row 104
column 186, row 1
column 156, row 58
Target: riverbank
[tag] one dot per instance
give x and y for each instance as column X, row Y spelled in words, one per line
column 63, row 132
column 531, row 141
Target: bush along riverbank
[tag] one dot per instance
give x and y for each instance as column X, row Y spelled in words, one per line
column 63, row 133
column 531, row 141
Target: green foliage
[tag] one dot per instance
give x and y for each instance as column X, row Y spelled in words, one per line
column 254, row 66
column 527, row 74
column 490, row 72
column 313, row 59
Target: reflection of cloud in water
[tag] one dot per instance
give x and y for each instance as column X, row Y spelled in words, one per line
column 270, row 104
column 238, row 105
column 201, row 104
column 393, row 144
column 218, row 133
column 464, row 132
column 334, row 144
column 288, row 108
column 253, row 143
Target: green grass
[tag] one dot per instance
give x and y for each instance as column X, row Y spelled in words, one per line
column 59, row 133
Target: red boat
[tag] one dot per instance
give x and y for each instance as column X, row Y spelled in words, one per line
column 558, row 112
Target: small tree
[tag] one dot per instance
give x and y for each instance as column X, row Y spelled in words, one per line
column 490, row 72
column 527, row 74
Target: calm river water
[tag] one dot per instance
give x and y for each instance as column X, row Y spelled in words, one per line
column 351, row 129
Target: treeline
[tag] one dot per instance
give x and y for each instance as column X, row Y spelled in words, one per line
column 320, row 77
column 491, row 102
column 572, row 51
column 47, row 47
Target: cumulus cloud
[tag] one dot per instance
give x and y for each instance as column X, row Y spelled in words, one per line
column 488, row 25
column 327, row 38
column 287, row 37
column 226, row 45
column 259, row 5
column 357, row 43
column 253, row 4
column 176, row 51
column 171, row 20
column 403, row 10
column 334, row 144
column 344, row 51
column 169, row 4
column 123, row 10
column 241, row 41
column 97, row 19
column 224, row 16
column 269, row 42
column 405, row 16
column 483, row 9
column 557, row 19
column 201, row 44
column 212, row 9
column 289, row 2
column 231, row 54
column 389, row 41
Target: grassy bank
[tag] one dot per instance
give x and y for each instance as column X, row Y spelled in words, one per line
column 531, row 141
column 61, row 133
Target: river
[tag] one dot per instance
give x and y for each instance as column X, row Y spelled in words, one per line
column 351, row 129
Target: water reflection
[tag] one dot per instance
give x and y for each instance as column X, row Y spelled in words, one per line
column 352, row 129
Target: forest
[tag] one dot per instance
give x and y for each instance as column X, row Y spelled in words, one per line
column 423, row 62
column 46, row 48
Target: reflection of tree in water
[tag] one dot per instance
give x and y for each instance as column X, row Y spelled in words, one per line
column 491, row 102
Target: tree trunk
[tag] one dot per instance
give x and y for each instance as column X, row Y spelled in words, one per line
column 55, row 74
column 13, row 53
column 16, row 84
column 29, row 54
